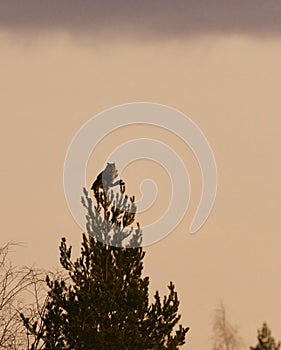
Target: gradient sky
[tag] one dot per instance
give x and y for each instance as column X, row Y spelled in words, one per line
column 218, row 64
column 158, row 18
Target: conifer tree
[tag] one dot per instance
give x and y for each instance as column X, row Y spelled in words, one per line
column 265, row 340
column 104, row 303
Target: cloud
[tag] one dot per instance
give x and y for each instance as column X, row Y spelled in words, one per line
column 152, row 18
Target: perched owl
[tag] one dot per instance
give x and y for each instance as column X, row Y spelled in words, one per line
column 105, row 179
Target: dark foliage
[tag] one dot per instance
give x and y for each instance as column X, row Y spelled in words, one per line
column 265, row 340
column 104, row 304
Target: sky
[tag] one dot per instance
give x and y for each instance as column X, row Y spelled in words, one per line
column 160, row 18
column 62, row 63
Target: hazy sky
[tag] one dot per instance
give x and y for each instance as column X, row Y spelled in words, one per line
column 220, row 65
column 159, row 18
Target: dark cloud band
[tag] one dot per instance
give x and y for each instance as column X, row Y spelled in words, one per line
column 143, row 17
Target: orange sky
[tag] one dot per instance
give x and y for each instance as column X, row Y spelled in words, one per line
column 229, row 85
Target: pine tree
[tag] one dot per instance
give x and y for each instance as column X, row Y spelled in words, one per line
column 104, row 303
column 265, row 340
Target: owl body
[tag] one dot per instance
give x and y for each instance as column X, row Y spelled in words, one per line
column 105, row 179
